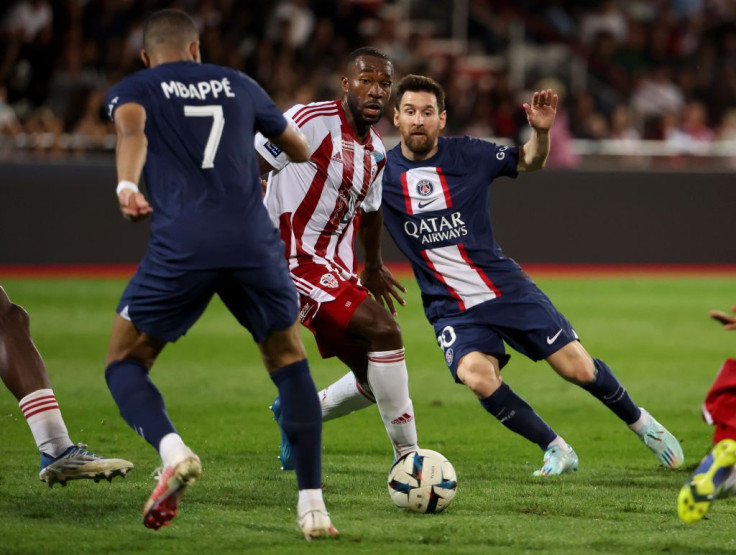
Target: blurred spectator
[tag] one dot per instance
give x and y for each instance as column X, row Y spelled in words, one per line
column 656, row 94
column 664, row 59
column 9, row 124
column 291, row 22
column 29, row 20
column 607, row 19
column 727, row 128
column 595, row 127
column 621, row 125
column 694, row 122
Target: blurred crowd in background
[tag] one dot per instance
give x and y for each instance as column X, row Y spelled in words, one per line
column 625, row 70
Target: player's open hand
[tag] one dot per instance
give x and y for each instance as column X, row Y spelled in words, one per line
column 541, row 112
column 133, row 206
column 728, row 321
column 381, row 283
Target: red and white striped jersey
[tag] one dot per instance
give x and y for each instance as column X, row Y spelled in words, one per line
column 316, row 204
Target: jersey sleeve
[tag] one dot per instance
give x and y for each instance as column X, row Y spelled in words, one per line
column 504, row 160
column 269, row 151
column 125, row 92
column 372, row 200
column 269, row 121
column 498, row 160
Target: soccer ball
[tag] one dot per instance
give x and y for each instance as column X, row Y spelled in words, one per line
column 422, row 482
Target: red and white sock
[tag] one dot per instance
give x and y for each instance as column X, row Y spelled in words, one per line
column 389, row 380
column 44, row 418
column 343, row 397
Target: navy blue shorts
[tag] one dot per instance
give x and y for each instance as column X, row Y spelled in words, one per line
column 164, row 303
column 526, row 320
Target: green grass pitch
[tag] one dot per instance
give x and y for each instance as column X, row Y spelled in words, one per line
column 653, row 331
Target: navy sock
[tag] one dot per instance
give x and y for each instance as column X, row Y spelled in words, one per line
column 516, row 414
column 606, row 388
column 302, row 421
column 140, row 402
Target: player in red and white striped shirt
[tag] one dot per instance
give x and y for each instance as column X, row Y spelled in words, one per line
column 24, row 374
column 319, row 207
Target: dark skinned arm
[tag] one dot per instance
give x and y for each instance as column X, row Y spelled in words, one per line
column 375, row 276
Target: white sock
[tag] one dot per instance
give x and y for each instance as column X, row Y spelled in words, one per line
column 310, row 500
column 644, row 419
column 44, row 418
column 389, row 380
column 343, row 397
column 173, row 450
column 559, row 442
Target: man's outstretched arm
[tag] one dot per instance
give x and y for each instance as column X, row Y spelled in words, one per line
column 541, row 116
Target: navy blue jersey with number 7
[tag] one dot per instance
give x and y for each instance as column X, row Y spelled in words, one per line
column 201, row 170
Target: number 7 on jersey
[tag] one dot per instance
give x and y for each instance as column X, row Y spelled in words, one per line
column 218, row 123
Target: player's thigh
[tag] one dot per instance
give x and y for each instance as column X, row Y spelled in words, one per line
column 263, row 300
column 163, row 302
column 457, row 339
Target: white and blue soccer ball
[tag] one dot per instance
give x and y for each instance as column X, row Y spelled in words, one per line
column 422, row 482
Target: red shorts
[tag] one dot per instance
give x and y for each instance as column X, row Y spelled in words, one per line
column 720, row 403
column 327, row 301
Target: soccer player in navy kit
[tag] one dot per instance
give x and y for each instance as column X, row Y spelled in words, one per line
column 192, row 125
column 435, row 205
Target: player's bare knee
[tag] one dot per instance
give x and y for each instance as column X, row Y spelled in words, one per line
column 127, row 343
column 4, row 300
column 385, row 334
column 282, row 348
column 14, row 317
column 479, row 376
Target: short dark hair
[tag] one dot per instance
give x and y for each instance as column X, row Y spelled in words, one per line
column 366, row 51
column 173, row 27
column 420, row 83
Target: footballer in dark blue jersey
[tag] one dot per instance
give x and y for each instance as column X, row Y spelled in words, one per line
column 188, row 128
column 436, row 194
column 435, row 199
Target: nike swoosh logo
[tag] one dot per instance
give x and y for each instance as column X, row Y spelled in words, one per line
column 552, row 339
column 423, row 204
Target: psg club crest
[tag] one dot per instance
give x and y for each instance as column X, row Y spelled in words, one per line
column 328, row 280
column 425, row 188
column 448, row 356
